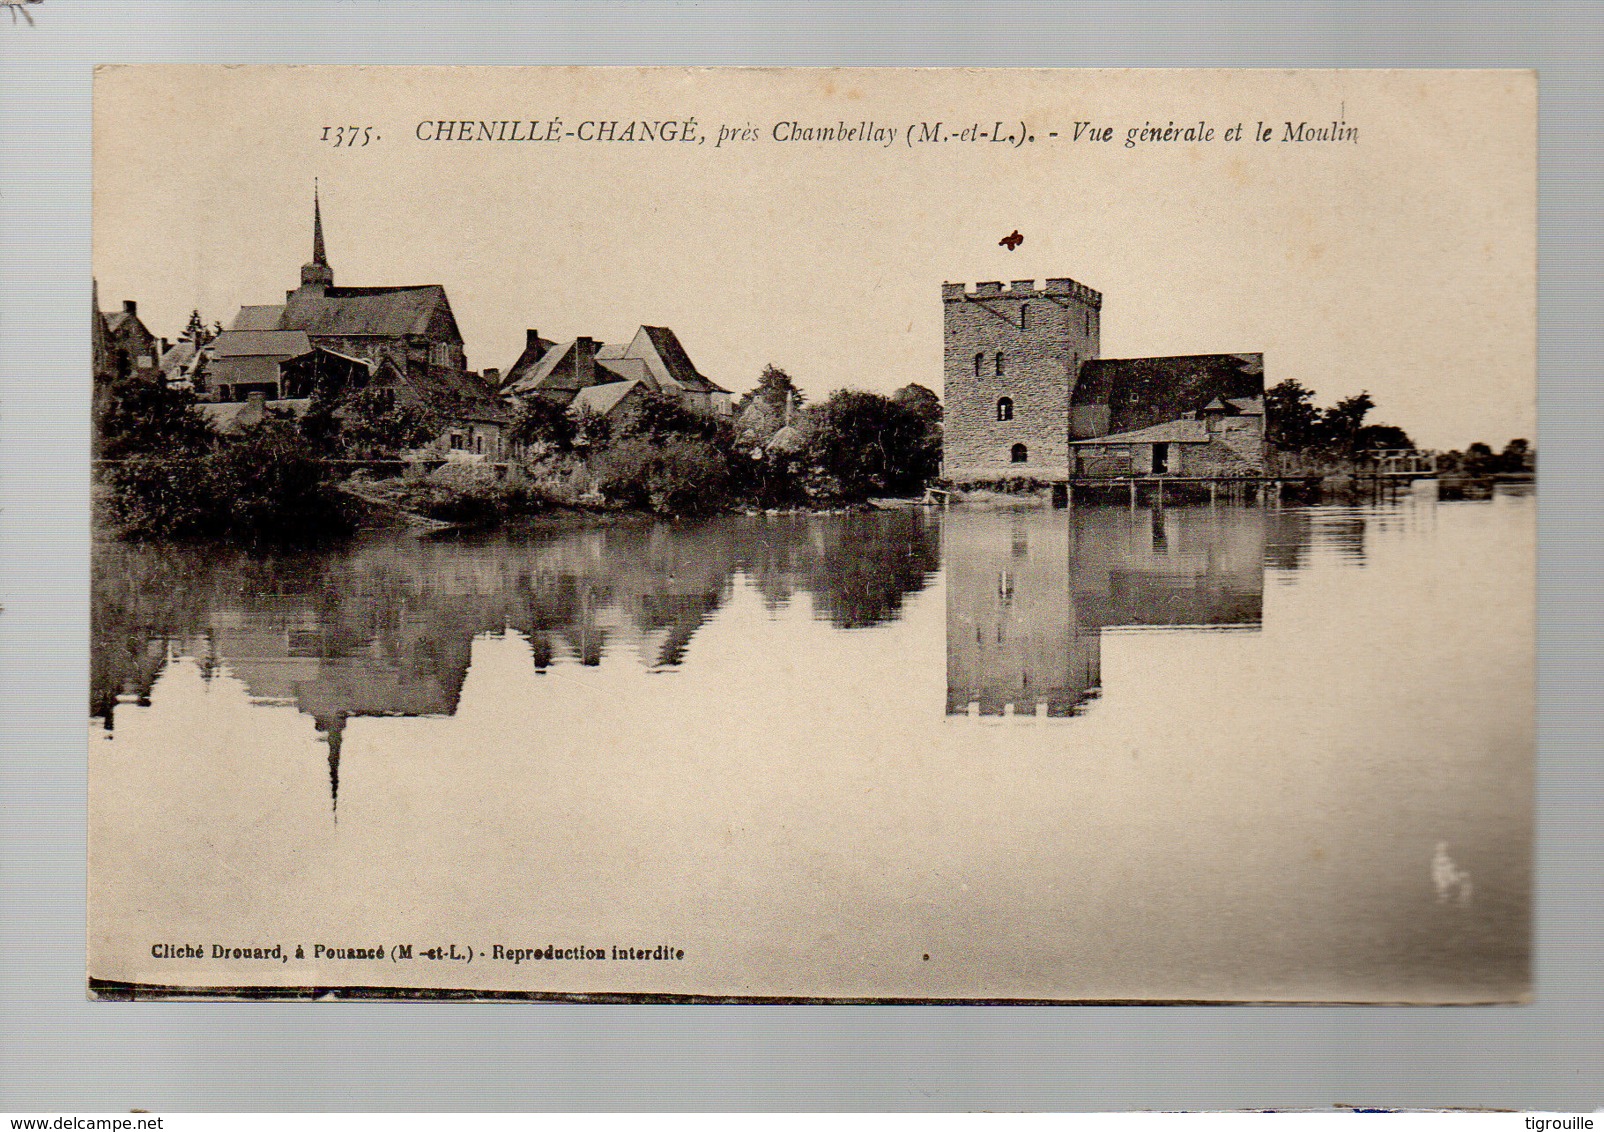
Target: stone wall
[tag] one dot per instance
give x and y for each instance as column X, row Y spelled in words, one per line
column 1042, row 337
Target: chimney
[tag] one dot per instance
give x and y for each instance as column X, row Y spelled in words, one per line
column 492, row 376
column 130, row 307
column 584, row 362
column 531, row 339
column 163, row 352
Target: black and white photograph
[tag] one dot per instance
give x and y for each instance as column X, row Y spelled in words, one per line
column 827, row 535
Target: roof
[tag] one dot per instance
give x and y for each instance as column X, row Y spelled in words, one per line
column 452, row 393
column 118, row 321
column 537, row 374
column 788, row 439
column 611, row 350
column 1141, row 392
column 527, row 361
column 1248, row 406
column 245, row 370
column 602, row 399
column 675, row 361
column 261, row 344
column 258, row 318
column 178, row 356
column 627, row 369
column 385, row 312
column 1170, row 432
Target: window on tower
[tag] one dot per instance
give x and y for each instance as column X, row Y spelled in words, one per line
column 1019, row 454
column 979, row 358
column 1005, row 409
column 1024, row 316
column 999, row 363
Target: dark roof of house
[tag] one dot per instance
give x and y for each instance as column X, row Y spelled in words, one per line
column 678, row 362
column 178, row 356
column 119, row 322
column 1141, row 392
column 385, row 312
column 536, row 375
column 527, row 361
column 455, row 394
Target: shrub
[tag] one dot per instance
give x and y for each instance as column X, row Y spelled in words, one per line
column 682, row 476
column 261, row 486
column 874, row 445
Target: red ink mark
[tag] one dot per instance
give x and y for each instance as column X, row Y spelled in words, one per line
column 1012, row 240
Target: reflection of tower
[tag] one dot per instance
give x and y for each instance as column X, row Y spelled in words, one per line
column 1013, row 643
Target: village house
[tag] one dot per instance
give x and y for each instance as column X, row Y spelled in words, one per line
column 343, row 338
column 131, row 344
column 585, row 375
column 1028, row 395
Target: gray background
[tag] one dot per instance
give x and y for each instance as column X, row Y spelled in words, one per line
column 59, row 1052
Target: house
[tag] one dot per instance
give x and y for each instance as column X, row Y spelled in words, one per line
column 276, row 364
column 1027, row 394
column 586, row 375
column 474, row 419
column 131, row 344
column 1224, row 439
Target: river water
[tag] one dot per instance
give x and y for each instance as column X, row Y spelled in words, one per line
column 1196, row 753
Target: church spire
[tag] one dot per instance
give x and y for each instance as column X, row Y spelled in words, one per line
column 319, row 255
column 318, row 273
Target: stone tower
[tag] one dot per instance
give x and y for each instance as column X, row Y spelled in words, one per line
column 1012, row 359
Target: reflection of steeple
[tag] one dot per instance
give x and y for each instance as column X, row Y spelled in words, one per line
column 334, row 732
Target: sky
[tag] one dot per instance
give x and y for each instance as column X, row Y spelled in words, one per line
column 1402, row 263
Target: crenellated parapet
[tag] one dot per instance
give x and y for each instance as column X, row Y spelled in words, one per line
column 1022, row 289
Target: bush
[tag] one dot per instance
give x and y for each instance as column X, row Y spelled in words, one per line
column 874, row 445
column 682, row 476
column 143, row 416
column 258, row 487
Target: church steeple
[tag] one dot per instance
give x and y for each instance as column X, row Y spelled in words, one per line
column 318, row 273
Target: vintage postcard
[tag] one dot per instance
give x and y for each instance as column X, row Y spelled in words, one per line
column 813, row 535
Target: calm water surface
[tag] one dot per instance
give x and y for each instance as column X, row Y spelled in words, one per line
column 1192, row 753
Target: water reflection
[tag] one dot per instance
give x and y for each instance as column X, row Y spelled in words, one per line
column 1029, row 593
column 386, row 627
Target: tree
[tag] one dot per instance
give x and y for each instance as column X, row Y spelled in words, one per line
column 1341, row 423
column 540, row 420
column 592, row 431
column 197, row 331
column 873, row 445
column 1382, row 436
column 659, row 416
column 142, row 416
column 773, row 386
column 1517, row 456
column 376, row 424
column 1292, row 421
